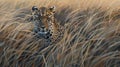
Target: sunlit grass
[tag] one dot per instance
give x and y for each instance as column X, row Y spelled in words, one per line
column 91, row 37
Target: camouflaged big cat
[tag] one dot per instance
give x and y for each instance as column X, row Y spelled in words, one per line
column 45, row 24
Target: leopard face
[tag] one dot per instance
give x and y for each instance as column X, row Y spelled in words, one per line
column 44, row 23
column 42, row 16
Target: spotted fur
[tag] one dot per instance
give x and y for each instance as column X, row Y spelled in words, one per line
column 44, row 17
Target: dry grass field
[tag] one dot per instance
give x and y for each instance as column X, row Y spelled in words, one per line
column 91, row 37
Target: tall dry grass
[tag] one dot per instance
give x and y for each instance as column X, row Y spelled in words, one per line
column 91, row 37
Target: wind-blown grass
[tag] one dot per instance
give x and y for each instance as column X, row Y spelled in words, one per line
column 91, row 37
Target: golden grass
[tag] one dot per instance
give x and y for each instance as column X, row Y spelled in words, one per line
column 91, row 37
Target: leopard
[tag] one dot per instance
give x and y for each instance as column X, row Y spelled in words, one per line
column 46, row 25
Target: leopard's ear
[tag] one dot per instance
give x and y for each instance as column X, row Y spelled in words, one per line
column 34, row 8
column 52, row 9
